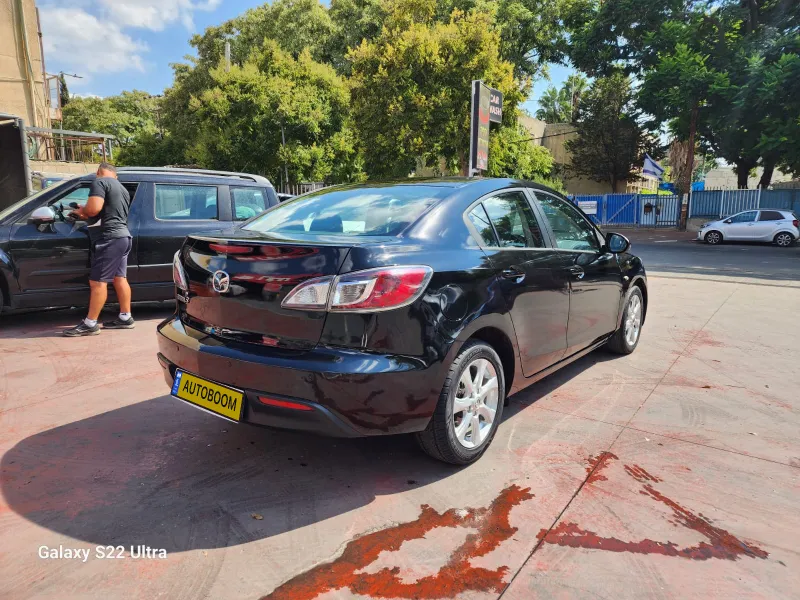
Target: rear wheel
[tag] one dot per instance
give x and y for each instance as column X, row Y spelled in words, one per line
column 713, row 238
column 625, row 340
column 470, row 407
column 784, row 239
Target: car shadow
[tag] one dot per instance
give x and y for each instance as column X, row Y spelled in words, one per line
column 160, row 473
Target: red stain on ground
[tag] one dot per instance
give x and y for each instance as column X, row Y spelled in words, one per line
column 721, row 544
column 596, row 466
column 639, row 474
column 455, row 577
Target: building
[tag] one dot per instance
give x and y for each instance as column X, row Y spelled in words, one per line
column 554, row 137
column 724, row 178
column 24, row 85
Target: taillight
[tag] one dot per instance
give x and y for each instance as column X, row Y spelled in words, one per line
column 362, row 291
column 795, row 223
column 178, row 274
column 310, row 295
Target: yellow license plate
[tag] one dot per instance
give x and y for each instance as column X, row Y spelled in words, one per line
column 211, row 396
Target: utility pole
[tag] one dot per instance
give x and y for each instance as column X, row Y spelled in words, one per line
column 285, row 164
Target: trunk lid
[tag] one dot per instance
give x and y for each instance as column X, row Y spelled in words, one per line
column 261, row 271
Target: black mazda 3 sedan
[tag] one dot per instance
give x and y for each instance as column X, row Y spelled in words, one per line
column 386, row 308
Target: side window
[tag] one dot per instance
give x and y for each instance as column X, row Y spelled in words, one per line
column 480, row 220
column 745, row 217
column 79, row 196
column 570, row 228
column 248, row 202
column 514, row 221
column 186, row 202
column 770, row 215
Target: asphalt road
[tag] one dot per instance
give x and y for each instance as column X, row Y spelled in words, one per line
column 672, row 252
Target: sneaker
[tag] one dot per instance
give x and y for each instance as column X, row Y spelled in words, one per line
column 82, row 329
column 119, row 324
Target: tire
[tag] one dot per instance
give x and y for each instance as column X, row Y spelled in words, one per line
column 624, row 341
column 713, row 237
column 784, row 239
column 450, row 436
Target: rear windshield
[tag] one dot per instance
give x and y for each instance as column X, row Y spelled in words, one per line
column 361, row 211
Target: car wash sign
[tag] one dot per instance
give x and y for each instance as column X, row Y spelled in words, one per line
column 487, row 107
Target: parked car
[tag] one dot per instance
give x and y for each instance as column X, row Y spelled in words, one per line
column 772, row 225
column 44, row 256
column 413, row 307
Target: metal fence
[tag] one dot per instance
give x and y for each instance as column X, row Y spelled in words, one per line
column 631, row 210
column 300, row 188
column 723, row 203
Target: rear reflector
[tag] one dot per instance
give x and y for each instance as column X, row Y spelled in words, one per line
column 229, row 249
column 283, row 403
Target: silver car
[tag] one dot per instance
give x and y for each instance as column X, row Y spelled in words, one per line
column 764, row 225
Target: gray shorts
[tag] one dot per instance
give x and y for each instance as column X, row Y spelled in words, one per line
column 110, row 259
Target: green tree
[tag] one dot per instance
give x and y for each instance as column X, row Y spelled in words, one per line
column 411, row 86
column 125, row 116
column 611, row 143
column 561, row 105
column 513, row 154
column 275, row 114
column 554, row 106
column 63, row 90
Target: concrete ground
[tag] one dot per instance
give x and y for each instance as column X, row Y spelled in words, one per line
column 670, row 473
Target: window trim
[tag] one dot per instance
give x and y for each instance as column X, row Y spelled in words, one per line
column 601, row 240
column 546, row 239
column 205, row 185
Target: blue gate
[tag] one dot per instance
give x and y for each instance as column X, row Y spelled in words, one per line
column 631, row 210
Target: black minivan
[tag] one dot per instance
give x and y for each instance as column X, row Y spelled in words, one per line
column 44, row 256
column 410, row 307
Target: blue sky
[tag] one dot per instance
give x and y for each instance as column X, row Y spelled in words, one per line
column 118, row 45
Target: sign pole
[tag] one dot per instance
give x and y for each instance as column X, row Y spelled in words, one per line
column 472, row 125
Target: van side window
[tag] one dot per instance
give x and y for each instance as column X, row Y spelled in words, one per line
column 186, row 202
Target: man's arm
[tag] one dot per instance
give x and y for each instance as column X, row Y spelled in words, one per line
column 94, row 204
column 92, row 207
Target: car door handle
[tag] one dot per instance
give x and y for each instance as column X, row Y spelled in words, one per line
column 515, row 274
column 577, row 272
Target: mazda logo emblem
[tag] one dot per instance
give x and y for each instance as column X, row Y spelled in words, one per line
column 220, row 281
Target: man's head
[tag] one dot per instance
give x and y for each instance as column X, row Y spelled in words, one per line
column 107, row 170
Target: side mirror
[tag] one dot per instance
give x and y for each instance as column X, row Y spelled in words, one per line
column 729, row 220
column 617, row 243
column 74, row 205
column 43, row 215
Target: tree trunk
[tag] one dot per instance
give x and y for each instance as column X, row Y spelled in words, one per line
column 743, row 172
column 766, row 176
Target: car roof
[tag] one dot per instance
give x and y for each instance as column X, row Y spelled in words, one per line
column 485, row 184
column 167, row 175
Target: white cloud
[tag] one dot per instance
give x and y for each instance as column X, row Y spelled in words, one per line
column 155, row 14
column 78, row 40
column 85, row 96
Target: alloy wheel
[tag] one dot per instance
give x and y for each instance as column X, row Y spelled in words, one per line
column 784, row 239
column 633, row 320
column 475, row 403
column 713, row 237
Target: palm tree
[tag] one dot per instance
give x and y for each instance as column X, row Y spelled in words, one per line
column 574, row 87
column 554, row 106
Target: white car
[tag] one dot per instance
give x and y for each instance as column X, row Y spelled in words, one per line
column 765, row 225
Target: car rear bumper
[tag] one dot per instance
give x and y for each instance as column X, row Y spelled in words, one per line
column 350, row 393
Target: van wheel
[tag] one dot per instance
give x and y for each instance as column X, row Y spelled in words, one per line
column 784, row 239
column 625, row 340
column 470, row 407
column 713, row 238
